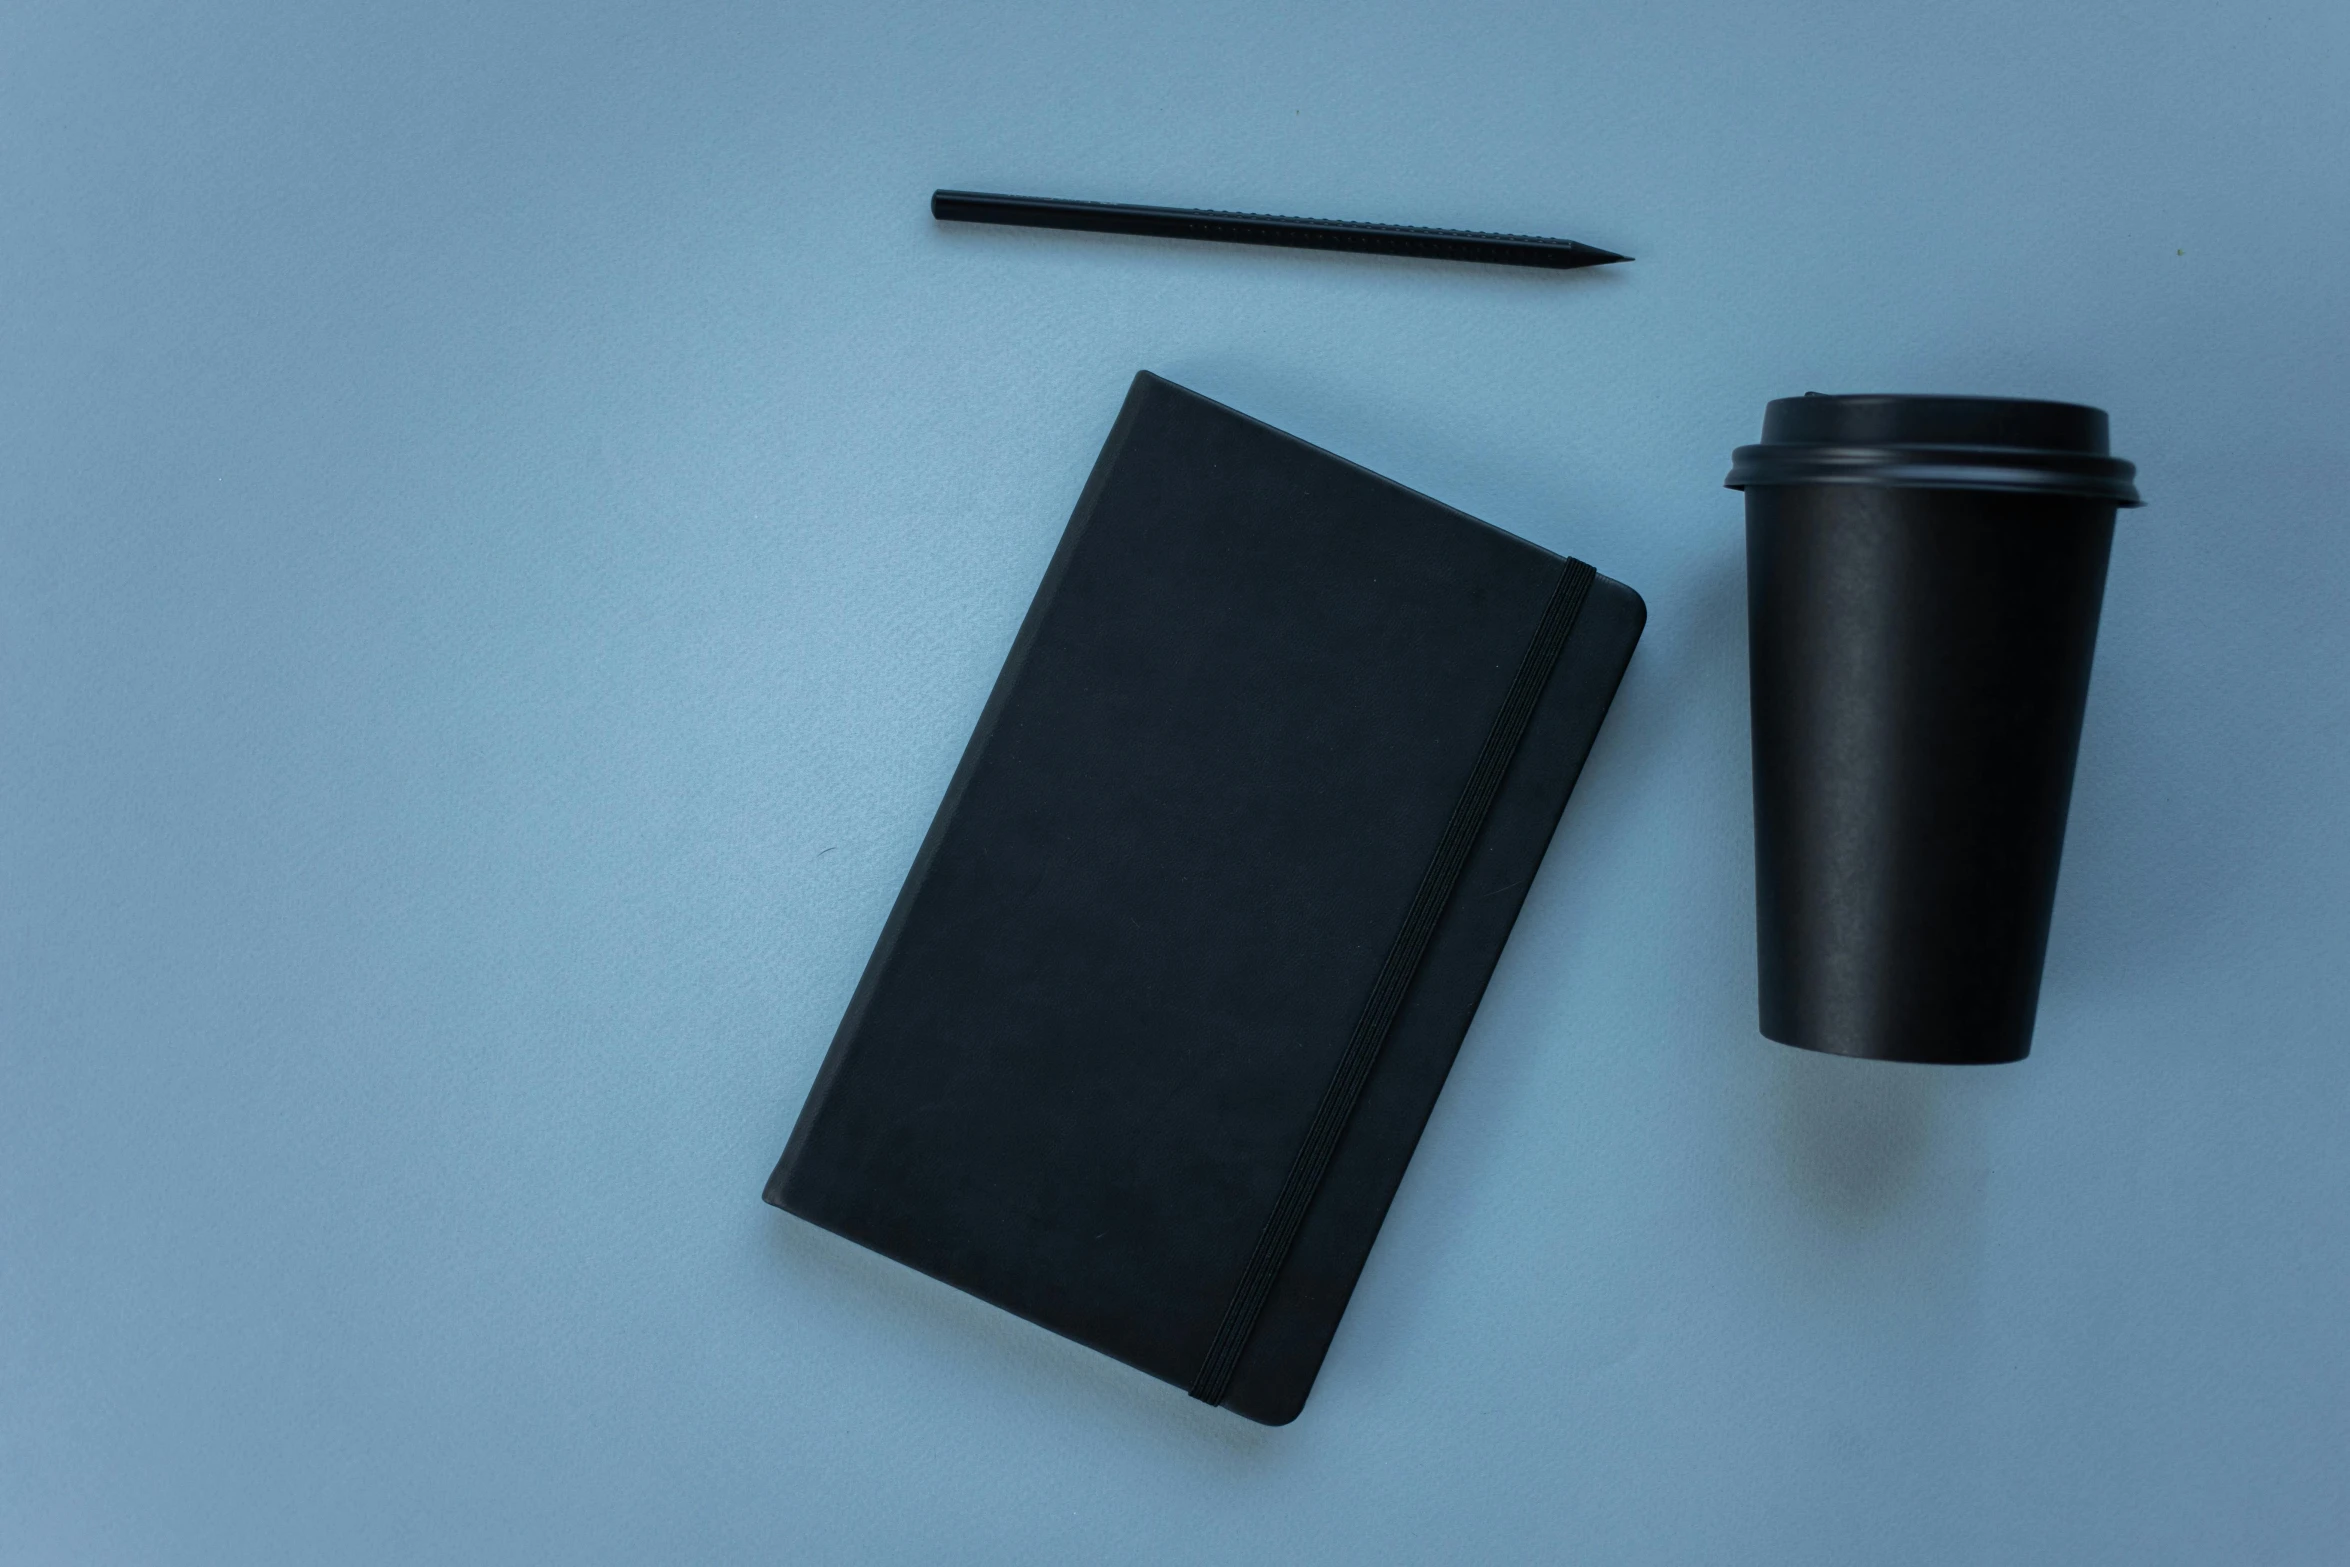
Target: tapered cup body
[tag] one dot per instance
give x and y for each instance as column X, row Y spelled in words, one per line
column 1920, row 660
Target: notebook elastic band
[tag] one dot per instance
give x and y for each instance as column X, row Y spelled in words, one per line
column 1395, row 979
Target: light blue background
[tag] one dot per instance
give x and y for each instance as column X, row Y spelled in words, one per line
column 507, row 517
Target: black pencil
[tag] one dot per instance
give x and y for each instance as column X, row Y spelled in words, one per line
column 1244, row 228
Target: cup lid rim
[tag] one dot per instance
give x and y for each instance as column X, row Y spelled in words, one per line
column 2023, row 445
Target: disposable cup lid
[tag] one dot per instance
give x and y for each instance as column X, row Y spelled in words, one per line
column 1937, row 443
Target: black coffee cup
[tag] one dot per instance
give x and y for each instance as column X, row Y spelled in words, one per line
column 1923, row 580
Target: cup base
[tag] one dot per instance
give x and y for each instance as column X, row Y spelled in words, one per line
column 1881, row 1051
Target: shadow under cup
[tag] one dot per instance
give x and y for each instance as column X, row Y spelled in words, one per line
column 1924, row 576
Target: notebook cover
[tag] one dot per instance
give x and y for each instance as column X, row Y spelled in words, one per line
column 1181, row 849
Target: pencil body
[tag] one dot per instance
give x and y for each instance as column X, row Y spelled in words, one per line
column 1242, row 228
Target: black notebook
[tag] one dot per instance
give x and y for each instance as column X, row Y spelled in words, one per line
column 1171, row 988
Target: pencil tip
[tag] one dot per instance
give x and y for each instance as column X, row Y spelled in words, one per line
column 1600, row 258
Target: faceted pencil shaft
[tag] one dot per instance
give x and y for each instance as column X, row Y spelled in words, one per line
column 1243, row 228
